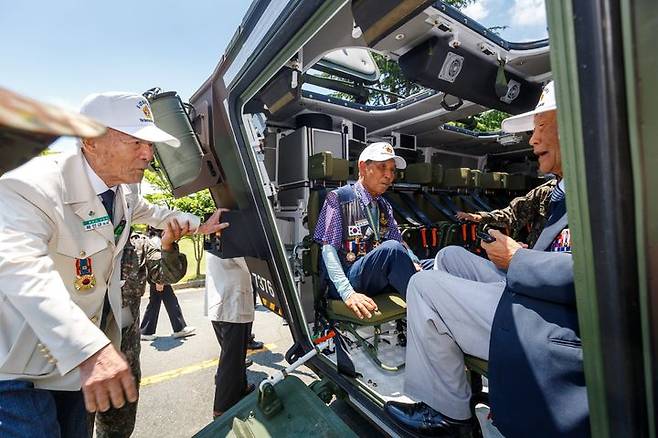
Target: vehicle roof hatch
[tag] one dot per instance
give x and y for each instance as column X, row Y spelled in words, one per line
column 350, row 63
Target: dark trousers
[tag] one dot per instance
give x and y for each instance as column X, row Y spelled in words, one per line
column 386, row 267
column 231, row 376
column 150, row 320
column 29, row 412
column 120, row 422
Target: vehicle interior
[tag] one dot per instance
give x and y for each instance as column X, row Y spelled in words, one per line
column 285, row 114
column 318, row 112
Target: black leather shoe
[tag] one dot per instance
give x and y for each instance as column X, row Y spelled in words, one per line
column 254, row 344
column 248, row 362
column 420, row 419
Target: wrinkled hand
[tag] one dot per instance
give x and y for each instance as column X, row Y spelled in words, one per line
column 213, row 225
column 105, row 379
column 502, row 250
column 172, row 232
column 361, row 305
column 159, row 287
column 463, row 216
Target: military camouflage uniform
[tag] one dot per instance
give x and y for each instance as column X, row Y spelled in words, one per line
column 525, row 216
column 141, row 261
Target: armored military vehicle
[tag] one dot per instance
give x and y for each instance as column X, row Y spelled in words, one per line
column 304, row 86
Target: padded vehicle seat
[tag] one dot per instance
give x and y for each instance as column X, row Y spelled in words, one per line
column 323, row 166
column 460, row 178
column 495, row 180
column 476, row 365
column 418, row 173
column 390, row 307
column 517, row 182
column 476, row 179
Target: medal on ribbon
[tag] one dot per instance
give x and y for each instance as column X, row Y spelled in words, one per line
column 362, row 248
column 84, row 276
column 383, row 220
column 350, row 256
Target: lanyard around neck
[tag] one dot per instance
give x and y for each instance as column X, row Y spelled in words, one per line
column 374, row 224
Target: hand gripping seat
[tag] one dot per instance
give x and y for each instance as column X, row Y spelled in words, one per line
column 390, row 307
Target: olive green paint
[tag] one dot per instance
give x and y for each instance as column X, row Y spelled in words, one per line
column 565, row 72
column 639, row 19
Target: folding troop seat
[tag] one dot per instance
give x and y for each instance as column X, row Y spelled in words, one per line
column 391, row 306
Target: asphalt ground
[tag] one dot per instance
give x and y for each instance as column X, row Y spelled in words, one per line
column 177, row 389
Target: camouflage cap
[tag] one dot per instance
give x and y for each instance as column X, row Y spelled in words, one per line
column 27, row 127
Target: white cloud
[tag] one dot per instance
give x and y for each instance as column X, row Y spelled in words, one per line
column 477, row 11
column 529, row 13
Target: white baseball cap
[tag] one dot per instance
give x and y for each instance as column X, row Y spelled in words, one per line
column 127, row 112
column 526, row 121
column 382, row 151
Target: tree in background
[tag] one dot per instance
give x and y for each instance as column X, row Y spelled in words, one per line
column 199, row 203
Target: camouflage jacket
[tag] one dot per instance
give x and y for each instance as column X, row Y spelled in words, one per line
column 143, row 260
column 525, row 216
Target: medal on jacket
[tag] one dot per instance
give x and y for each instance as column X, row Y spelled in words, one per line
column 361, row 248
column 84, row 277
column 350, row 256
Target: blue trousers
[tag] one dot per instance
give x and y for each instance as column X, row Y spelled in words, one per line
column 26, row 411
column 150, row 319
column 386, row 267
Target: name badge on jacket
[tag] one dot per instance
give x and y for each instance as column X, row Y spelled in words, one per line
column 92, row 224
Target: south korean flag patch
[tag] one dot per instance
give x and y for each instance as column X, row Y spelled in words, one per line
column 353, row 231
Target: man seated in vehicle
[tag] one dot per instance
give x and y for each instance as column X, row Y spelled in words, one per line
column 362, row 250
column 520, row 315
column 524, row 213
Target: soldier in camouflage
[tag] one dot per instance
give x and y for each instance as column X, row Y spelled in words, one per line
column 524, row 217
column 142, row 260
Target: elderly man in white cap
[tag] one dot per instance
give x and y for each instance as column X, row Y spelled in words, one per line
column 362, row 250
column 517, row 311
column 64, row 220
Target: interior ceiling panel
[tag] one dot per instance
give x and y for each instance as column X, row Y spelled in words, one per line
column 394, row 119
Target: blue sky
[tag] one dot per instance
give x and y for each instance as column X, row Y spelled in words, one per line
column 525, row 19
column 60, row 51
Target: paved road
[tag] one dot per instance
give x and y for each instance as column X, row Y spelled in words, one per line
column 178, row 374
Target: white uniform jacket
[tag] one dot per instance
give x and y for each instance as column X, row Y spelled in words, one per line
column 47, row 326
column 229, row 294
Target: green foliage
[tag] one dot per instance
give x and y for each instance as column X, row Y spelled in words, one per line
column 392, row 86
column 199, row 204
column 487, row 121
column 459, row 4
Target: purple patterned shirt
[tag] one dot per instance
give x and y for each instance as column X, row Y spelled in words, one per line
column 329, row 229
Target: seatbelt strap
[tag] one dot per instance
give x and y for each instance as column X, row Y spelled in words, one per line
column 405, row 213
column 416, row 209
column 434, row 203
column 480, row 200
column 448, row 202
column 469, row 202
column 501, row 80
